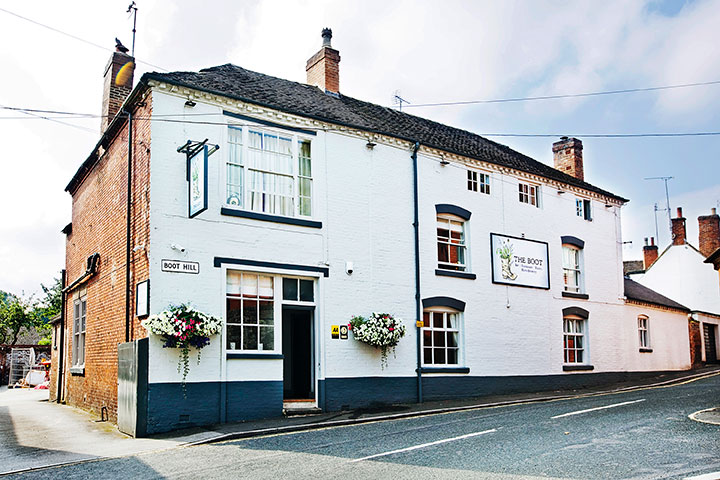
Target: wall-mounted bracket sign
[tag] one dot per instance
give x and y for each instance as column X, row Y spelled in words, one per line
column 179, row 266
column 197, row 154
column 519, row 261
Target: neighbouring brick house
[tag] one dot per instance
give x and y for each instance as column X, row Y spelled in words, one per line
column 317, row 207
column 685, row 273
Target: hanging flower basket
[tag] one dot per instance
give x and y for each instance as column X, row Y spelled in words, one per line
column 183, row 327
column 380, row 330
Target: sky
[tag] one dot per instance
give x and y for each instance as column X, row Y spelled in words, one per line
column 428, row 51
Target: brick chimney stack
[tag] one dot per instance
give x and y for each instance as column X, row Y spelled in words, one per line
column 650, row 253
column 679, row 236
column 323, row 68
column 114, row 95
column 568, row 157
column 709, row 237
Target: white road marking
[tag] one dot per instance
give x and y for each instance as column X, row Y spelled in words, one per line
column 707, row 476
column 597, row 408
column 416, row 447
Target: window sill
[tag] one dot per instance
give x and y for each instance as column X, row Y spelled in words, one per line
column 646, row 350
column 577, row 368
column 256, row 356
column 444, row 369
column 581, row 296
column 77, row 371
column 454, row 273
column 265, row 217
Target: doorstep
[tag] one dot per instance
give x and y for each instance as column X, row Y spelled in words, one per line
column 300, row 407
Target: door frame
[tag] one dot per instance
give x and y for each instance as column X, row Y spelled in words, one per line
column 313, row 343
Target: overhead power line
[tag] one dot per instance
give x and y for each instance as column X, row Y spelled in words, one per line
column 74, row 37
column 37, row 113
column 567, row 95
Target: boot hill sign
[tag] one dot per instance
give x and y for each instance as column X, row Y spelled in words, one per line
column 519, row 261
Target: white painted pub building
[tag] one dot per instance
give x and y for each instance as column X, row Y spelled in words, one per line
column 316, row 207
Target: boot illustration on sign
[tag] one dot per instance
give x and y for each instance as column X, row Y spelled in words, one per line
column 505, row 253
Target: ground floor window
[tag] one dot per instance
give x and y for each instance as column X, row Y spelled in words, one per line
column 78, row 343
column 574, row 341
column 440, row 334
column 250, row 311
column 644, row 331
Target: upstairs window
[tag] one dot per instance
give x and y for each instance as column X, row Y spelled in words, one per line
column 269, row 172
column 572, row 269
column 644, row 331
column 582, row 209
column 478, row 182
column 472, row 181
column 451, row 242
column 528, row 194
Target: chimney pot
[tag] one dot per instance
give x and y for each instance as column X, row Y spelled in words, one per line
column 652, row 240
column 323, row 68
column 327, row 37
column 679, row 212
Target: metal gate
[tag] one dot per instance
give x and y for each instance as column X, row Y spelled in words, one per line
column 133, row 387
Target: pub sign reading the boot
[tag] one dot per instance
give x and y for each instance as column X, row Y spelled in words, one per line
column 519, row 261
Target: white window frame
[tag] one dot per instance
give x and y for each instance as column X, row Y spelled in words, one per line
column 462, row 246
column 428, row 326
column 583, row 209
column 579, row 268
column 472, row 179
column 240, row 324
column 79, row 331
column 571, row 330
column 644, row 331
column 295, row 138
column 529, row 193
column 278, row 303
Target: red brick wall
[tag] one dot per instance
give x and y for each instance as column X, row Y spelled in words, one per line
column 99, row 225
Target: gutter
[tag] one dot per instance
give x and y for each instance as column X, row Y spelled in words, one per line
column 127, row 224
column 90, row 270
column 418, row 311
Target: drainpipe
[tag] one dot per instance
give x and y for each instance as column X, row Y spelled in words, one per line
column 127, row 227
column 418, row 311
column 61, row 340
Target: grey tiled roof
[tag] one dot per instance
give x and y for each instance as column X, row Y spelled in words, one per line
column 641, row 293
column 309, row 101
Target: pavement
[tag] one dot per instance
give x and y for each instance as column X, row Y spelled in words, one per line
column 36, row 434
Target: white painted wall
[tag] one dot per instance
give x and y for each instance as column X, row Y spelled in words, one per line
column 680, row 274
column 364, row 199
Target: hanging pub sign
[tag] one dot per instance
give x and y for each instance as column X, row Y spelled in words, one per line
column 197, row 154
column 197, row 182
column 519, row 261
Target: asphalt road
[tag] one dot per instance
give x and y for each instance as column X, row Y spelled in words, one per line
column 639, row 434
